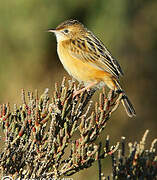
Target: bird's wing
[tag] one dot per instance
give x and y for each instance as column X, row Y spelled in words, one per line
column 91, row 50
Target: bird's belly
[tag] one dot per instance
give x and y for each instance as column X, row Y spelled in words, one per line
column 82, row 71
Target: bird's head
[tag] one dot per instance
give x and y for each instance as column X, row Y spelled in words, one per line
column 70, row 29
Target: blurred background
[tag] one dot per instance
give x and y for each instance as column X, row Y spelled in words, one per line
column 28, row 57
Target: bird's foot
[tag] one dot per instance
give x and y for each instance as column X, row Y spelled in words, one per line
column 87, row 88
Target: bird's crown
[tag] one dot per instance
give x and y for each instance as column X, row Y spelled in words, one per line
column 69, row 23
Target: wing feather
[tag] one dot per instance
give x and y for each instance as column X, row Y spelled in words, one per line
column 91, row 50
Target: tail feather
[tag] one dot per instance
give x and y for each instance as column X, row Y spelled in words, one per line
column 125, row 101
column 128, row 106
column 113, row 84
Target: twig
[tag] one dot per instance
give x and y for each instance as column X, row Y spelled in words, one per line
column 99, row 160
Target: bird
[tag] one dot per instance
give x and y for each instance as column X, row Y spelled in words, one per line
column 86, row 59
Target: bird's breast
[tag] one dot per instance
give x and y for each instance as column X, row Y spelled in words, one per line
column 80, row 70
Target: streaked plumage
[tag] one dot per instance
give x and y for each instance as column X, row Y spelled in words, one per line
column 86, row 58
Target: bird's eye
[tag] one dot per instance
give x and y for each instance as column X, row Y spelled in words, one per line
column 66, row 31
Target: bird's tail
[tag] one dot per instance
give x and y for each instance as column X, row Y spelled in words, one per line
column 126, row 102
column 128, row 106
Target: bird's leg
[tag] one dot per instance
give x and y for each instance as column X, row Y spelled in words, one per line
column 85, row 88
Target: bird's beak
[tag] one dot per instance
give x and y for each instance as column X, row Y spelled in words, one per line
column 52, row 30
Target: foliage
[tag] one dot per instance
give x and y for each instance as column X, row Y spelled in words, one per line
column 55, row 137
column 141, row 163
column 39, row 132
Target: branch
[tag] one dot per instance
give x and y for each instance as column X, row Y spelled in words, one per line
column 40, row 130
